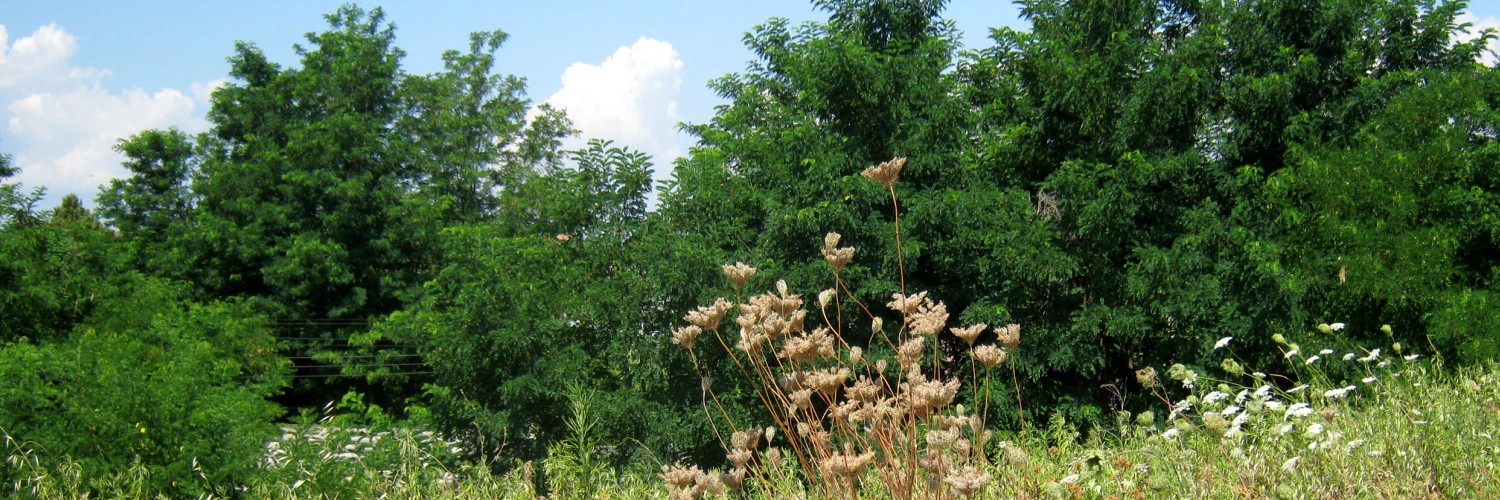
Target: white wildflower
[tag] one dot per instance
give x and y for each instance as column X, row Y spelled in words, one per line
column 1314, row 429
column 1214, row 397
column 1230, row 411
column 1375, row 354
column 1353, row 444
column 1313, row 359
column 1222, row 342
column 1171, row 433
column 1348, row 356
column 1291, row 353
column 1259, row 374
column 1326, row 352
column 1240, row 397
column 1336, row 326
column 1072, row 478
column 1297, row 389
column 1338, row 393
column 1412, row 357
column 1299, row 410
column 1383, row 363
column 1273, row 404
column 1290, row 464
column 1369, row 380
column 1262, row 391
column 1282, row 429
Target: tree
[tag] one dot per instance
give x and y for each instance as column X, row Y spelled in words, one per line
column 154, row 209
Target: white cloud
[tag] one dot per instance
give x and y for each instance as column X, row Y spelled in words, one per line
column 1478, row 25
column 630, row 98
column 63, row 124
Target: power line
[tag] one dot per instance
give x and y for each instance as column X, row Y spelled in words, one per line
column 362, row 356
column 345, row 375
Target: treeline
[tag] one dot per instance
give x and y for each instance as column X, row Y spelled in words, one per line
column 1130, row 181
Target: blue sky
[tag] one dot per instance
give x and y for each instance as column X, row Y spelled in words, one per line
column 75, row 76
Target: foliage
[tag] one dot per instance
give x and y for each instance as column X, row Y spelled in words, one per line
column 177, row 392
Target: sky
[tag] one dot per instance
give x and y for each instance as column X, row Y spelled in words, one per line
column 76, row 76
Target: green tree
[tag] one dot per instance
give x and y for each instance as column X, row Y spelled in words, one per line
column 154, row 209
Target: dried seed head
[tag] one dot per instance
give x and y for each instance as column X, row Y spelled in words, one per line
column 865, row 390
column 738, row 274
column 1146, row 376
column 802, row 398
column 734, row 479
column 686, row 335
column 929, row 319
column 708, row 317
column 929, row 395
column 906, row 304
column 836, row 257
column 826, row 297
column 708, row 483
column 877, row 325
column 969, row 333
column 989, row 355
column 847, row 464
column 967, row 480
column 910, row 352
column 1009, row 335
column 808, row 347
column 739, row 456
column 828, row 380
column 678, row 475
column 885, row 173
column 856, row 355
column 746, row 439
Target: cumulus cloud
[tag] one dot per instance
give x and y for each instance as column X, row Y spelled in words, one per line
column 1477, row 26
column 630, row 98
column 62, row 123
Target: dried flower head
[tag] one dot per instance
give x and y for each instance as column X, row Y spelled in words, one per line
column 686, row 335
column 808, row 347
column 885, row 173
column 848, row 463
column 708, row 317
column 910, row 352
column 826, row 297
column 739, row 456
column 1146, row 376
column 856, row 355
column 828, row 380
column 678, row 475
column 802, row 398
column 989, row 355
column 967, row 480
column 738, row 274
column 968, row 334
column 746, row 439
column 906, row 304
column 929, row 319
column 928, row 395
column 1009, row 335
column 734, row 479
column 865, row 390
column 836, row 257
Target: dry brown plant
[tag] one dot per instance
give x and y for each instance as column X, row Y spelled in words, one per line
column 844, row 422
